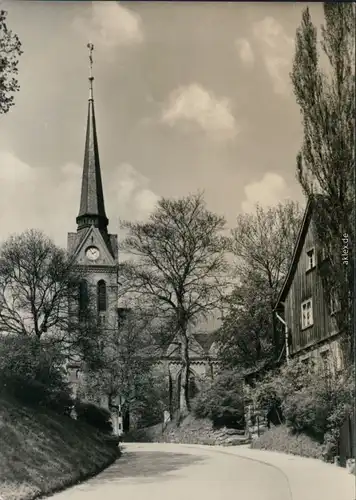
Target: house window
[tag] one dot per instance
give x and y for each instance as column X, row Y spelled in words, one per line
column 101, row 295
column 307, row 314
column 310, row 259
column 334, row 301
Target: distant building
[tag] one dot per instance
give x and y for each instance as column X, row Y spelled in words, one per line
column 309, row 315
column 203, row 362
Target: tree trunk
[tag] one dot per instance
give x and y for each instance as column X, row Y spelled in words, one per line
column 170, row 396
column 275, row 336
column 184, row 390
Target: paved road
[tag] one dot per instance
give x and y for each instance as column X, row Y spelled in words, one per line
column 176, row 472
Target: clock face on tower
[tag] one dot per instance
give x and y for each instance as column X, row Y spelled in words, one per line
column 92, row 253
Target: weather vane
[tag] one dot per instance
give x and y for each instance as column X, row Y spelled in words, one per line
column 91, row 48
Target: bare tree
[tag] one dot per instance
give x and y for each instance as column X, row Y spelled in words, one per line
column 37, row 281
column 326, row 161
column 263, row 244
column 178, row 267
column 10, row 51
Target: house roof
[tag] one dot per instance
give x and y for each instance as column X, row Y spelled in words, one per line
column 297, row 250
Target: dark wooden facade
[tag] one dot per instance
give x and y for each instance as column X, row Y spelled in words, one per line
column 302, row 284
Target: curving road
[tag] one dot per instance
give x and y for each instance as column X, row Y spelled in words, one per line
column 178, row 472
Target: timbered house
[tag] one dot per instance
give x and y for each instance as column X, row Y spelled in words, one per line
column 309, row 313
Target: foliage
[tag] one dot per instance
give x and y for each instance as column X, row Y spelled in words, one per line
column 125, row 367
column 178, row 266
column 262, row 244
column 37, row 279
column 33, row 373
column 283, row 440
column 307, row 411
column 312, row 401
column 94, row 415
column 272, row 390
column 343, row 407
column 222, row 400
column 10, row 51
column 148, row 410
column 326, row 161
column 244, row 340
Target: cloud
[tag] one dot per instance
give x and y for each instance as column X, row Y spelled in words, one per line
column 49, row 199
column 269, row 191
column 129, row 194
column 277, row 50
column 111, row 25
column 245, row 51
column 195, row 105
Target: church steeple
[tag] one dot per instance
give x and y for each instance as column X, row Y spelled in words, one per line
column 92, row 208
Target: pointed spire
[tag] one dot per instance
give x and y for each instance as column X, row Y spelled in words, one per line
column 92, row 209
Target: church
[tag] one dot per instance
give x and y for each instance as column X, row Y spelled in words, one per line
column 94, row 249
column 95, row 252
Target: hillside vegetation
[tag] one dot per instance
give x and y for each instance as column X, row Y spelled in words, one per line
column 42, row 452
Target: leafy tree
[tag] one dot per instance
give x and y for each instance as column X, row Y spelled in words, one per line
column 244, row 338
column 124, row 367
column 178, row 267
column 326, row 160
column 37, row 279
column 262, row 243
column 10, row 51
column 222, row 401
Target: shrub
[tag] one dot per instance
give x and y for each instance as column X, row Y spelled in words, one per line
column 93, row 415
column 343, row 408
column 222, row 401
column 307, row 411
column 311, row 401
column 31, row 372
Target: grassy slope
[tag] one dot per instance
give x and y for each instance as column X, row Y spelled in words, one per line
column 281, row 439
column 43, row 452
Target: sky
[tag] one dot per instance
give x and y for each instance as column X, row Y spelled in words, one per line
column 188, row 97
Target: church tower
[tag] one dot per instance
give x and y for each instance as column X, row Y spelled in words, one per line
column 95, row 251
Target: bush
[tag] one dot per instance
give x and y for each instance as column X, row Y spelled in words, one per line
column 283, row 440
column 31, row 371
column 342, row 409
column 311, row 401
column 222, row 401
column 93, row 415
column 307, row 411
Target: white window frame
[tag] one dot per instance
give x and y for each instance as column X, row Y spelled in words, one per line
column 311, row 265
column 307, row 324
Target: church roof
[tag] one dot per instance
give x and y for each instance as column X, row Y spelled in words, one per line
column 92, row 208
column 205, row 340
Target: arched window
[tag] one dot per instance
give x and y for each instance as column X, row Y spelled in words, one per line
column 83, row 296
column 101, row 295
